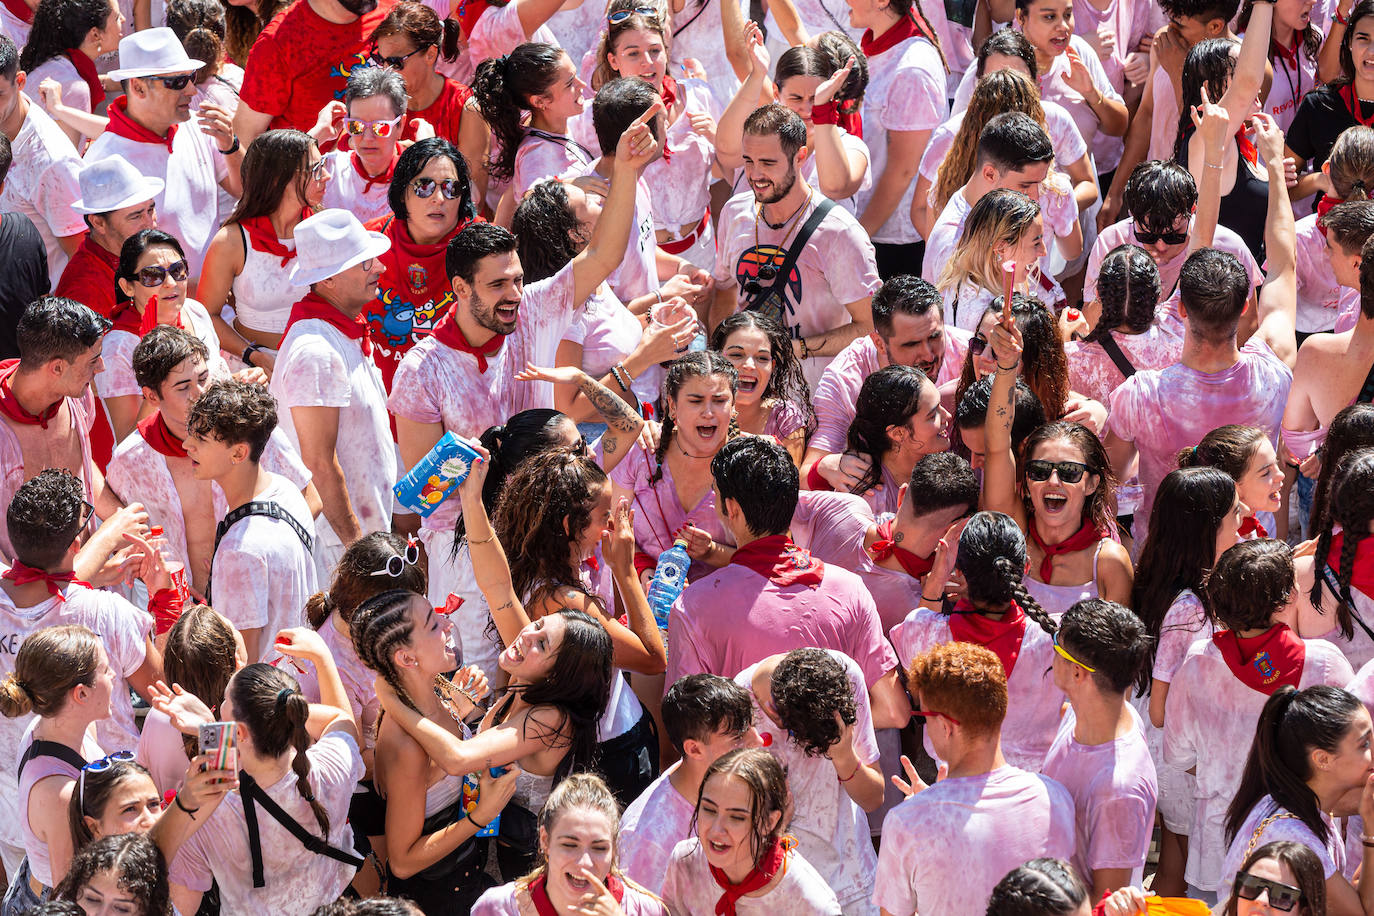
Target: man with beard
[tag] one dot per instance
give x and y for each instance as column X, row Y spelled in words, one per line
column 301, row 62
column 824, row 295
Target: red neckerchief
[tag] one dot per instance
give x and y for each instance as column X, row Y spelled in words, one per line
column 127, row 318
column 20, row 10
column 1289, row 55
column 384, row 178
column 1250, row 525
column 539, row 893
column 780, row 561
column 121, row 125
column 85, row 68
column 315, row 306
column 1246, row 148
column 1362, row 578
column 885, row 547
column 449, row 334
column 156, row 433
column 1265, row 662
column 1352, row 104
column 904, row 28
column 20, row 574
column 763, row 871
column 263, row 237
column 453, row 603
column 1082, row 539
column 669, row 96
column 1323, row 207
column 10, row 406
column 1003, row 636
column 413, row 252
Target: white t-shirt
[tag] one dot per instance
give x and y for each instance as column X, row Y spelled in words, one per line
column 1106, row 150
column 637, row 274
column 1319, row 294
column 350, row 190
column 852, row 146
column 42, row 183
column 608, row 333
column 117, row 379
column 689, row 889
column 651, row 826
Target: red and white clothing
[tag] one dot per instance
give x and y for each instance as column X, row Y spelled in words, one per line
column 1295, row 75
column 497, row 31
column 1106, row 150
column 1319, row 295
column 75, row 423
column 688, row 887
column 42, row 183
column 263, row 291
column 1092, row 372
column 89, row 277
column 544, row 155
column 651, row 826
column 681, row 180
column 117, row 378
column 444, row 114
column 76, row 91
column 1123, row 233
column 512, row 900
column 637, row 274
column 16, row 20
column 352, row 188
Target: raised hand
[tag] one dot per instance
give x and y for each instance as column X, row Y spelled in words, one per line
column 827, row 90
column 638, row 146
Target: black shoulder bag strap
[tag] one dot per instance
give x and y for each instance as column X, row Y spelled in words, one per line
column 1113, row 350
column 254, row 795
column 779, row 287
column 257, row 507
column 50, row 749
column 1367, row 391
column 1333, row 583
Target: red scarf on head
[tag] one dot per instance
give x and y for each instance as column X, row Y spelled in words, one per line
column 1265, row 662
column 20, row 10
column 885, row 547
column 1002, row 637
column 121, row 125
column 768, row 865
column 156, row 433
column 539, row 893
column 906, row 27
column 1082, row 539
column 315, row 306
column 10, row 406
column 449, row 334
column 85, row 68
column 384, row 178
column 262, row 237
column 1362, row 578
column 1352, row 104
column 780, row 561
column 20, row 574
column 1250, row 525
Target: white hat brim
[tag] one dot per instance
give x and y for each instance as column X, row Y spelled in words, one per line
column 135, row 72
column 377, row 246
column 150, row 188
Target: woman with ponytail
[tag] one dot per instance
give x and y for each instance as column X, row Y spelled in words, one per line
column 1245, row 454
column 1337, row 581
column 997, row 613
column 415, row 35
column 67, row 37
column 1217, row 693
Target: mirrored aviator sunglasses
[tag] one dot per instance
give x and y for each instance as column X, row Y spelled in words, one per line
column 620, row 16
column 450, row 188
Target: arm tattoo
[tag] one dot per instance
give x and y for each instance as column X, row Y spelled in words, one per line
column 506, row 605
column 609, row 443
column 618, row 415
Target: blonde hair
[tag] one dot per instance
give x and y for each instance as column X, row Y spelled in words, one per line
column 998, row 219
column 994, row 94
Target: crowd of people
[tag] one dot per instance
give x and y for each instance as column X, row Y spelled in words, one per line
column 687, row 457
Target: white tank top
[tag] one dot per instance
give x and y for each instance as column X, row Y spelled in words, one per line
column 262, row 295
column 1056, row 599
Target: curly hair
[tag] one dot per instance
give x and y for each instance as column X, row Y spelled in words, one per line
column 547, row 232
column 1251, row 582
column 1351, row 506
column 1099, row 507
column 786, row 382
column 244, row 26
column 137, row 865
column 510, row 444
column 1044, row 364
column 354, row 581
column 233, row 411
column 996, row 93
column 964, row 681
column 201, row 27
column 502, row 88
column 809, row 688
column 59, row 25
column 45, row 516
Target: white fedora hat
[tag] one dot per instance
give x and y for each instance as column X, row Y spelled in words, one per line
column 113, row 184
column 329, row 243
column 153, row 52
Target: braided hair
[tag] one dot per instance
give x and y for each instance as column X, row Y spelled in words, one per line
column 380, row 625
column 697, row 364
column 1352, row 507
column 1128, row 290
column 1351, row 429
column 1041, row 887
column 992, row 557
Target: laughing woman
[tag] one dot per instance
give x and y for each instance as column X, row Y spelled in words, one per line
column 773, row 398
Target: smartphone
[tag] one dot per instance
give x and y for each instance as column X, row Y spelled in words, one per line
column 217, row 740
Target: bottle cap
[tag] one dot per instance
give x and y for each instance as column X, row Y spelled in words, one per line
column 680, row 541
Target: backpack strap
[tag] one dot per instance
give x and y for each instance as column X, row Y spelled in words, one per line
column 254, row 795
column 1115, row 354
column 257, row 507
column 1333, row 582
column 50, row 749
column 779, row 287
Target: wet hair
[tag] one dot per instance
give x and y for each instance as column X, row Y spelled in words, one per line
column 9, row 58
column 1210, row 64
column 1110, row 638
column 787, row 381
column 503, row 87
column 59, row 25
column 56, row 908
column 658, row 23
column 963, row 681
column 415, row 159
column 137, row 865
column 233, row 411
column 1213, row 287
column 941, row 480
column 1292, row 725
column 55, row 327
column 547, row 231
column 355, row 583
column 992, row 557
column 904, row 294
column 699, row 705
column 1351, row 162
column 777, row 120
column 1302, row 862
column 1350, row 504
column 201, row 28
column 1349, row 224
column 526, row 434
column 972, row 410
column 1252, row 581
column 697, row 364
column 889, row 397
column 1351, row 429
column 161, row 350
column 809, row 689
column 92, row 794
column 579, row 792
column 1227, row 448
column 275, row 160
column 422, row 26
column 1044, row 364
column 758, row 475
column 44, row 517
column 200, row 656
column 1008, row 41
column 616, row 106
column 1158, row 192
column 244, row 25
column 995, row 97
column 475, row 241
column 7, row 160
column 1201, row 10
column 1128, row 288
column 996, row 222
column 1099, row 507
column 367, row 82
column 372, row 906
column 381, row 625
column 133, row 250
column 1180, row 547
column 47, row 666
column 766, row 780
column 1041, row 887
column 1360, row 10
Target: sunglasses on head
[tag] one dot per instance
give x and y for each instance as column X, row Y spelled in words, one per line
column 380, row 129
column 620, row 16
column 154, row 276
column 97, row 766
column 1069, row 471
column 1281, row 896
column 1146, row 237
column 394, row 63
column 174, row 83
column 396, row 563
column 450, row 188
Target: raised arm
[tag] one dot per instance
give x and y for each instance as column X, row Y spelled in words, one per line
column 837, row 170
column 751, row 94
column 1278, row 299
column 489, row 564
column 623, row 422
column 1207, row 159
column 999, row 466
column 1248, row 78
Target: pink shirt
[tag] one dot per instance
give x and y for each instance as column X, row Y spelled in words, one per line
column 637, row 274
column 1106, row 149
column 1184, row 624
column 502, row 901
column 1319, row 294
column 1164, row 119
column 608, row 332
column 360, row 681
column 945, row 849
column 1123, row 233
column 544, row 155
column 160, row 750
column 1127, row 22
column 38, row 769
column 689, row 889
column 81, row 415
column 1331, row 853
column 651, row 826
column 681, row 183
column 1092, row 372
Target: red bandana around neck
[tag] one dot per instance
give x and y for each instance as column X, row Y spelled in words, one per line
column 1082, row 539
column 316, row 306
column 885, row 547
column 20, row 574
column 1250, row 526
column 369, row 180
column 1324, row 206
column 780, row 561
column 764, row 871
column 1362, row 578
column 159, row 435
column 10, row 406
column 1288, row 55
column 85, row 68
column 1003, row 636
column 904, row 28
column 1352, row 104
column 449, row 334
column 1265, row 662
column 539, row 893
column 263, row 237
column 121, row 125
column 20, row 10
column 1246, row 148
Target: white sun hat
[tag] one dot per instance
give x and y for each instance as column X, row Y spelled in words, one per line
column 153, row 52
column 113, row 184
column 331, row 242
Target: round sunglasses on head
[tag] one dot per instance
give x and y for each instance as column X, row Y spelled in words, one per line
column 154, row 276
column 396, row 563
column 1069, row 471
column 355, row 127
column 1282, row 897
column 450, row 188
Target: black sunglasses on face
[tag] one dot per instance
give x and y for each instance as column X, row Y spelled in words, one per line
column 174, row 83
column 1145, row 237
column 1281, row 896
column 153, row 277
column 394, row 63
column 1069, row 471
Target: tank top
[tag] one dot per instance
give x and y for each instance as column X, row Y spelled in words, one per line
column 1056, row 599
column 263, row 296
column 442, row 794
column 36, row 770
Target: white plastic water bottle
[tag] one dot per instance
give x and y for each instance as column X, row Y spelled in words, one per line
column 670, row 578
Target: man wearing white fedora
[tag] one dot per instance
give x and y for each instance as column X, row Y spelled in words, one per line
column 148, row 128
column 332, row 400
column 116, row 201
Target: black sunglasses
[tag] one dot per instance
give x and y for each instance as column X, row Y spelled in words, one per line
column 450, row 188
column 762, row 282
column 977, row 344
column 1281, row 896
column 174, row 83
column 394, row 63
column 153, row 277
column 1145, row 237
column 1069, row 471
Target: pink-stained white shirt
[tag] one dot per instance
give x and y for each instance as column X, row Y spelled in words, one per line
column 497, row 32
column 542, row 155
column 1163, row 411
column 1210, row 708
column 831, row 829
column 1290, row 83
column 945, row 848
column 651, row 826
column 836, row 395
column 1092, row 372
column 1106, row 149
column 697, row 31
column 38, row 769
column 1331, row 853
column 1033, row 702
column 502, row 901
column 852, row 145
column 637, row 274
column 42, row 183
column 1123, row 233
column 609, row 332
column 1113, row 788
column 161, row 752
column 1319, row 295
column 689, row 889
column 75, row 93
column 906, row 92
column 681, row 183
column 296, row 880
column 349, row 190
column 1127, row 20
column 1184, row 624
column 1059, row 125
column 735, row 617
column 263, row 291
column 1164, row 119
column 359, row 681
column 81, row 413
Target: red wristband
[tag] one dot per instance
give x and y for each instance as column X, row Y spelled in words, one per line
column 829, row 113
column 814, row 480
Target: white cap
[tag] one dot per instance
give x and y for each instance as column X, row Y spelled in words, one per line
column 331, row 242
column 113, row 184
column 153, row 52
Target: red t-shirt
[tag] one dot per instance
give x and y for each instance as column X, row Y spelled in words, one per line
column 301, row 62
column 445, row 115
column 89, row 277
